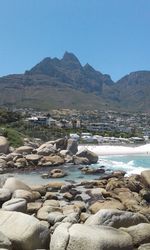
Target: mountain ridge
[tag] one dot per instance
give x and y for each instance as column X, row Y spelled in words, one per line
column 75, row 86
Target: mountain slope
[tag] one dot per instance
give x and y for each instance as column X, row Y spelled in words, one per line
column 55, row 83
column 134, row 91
column 65, row 83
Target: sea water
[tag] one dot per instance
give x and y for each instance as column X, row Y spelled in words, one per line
column 132, row 164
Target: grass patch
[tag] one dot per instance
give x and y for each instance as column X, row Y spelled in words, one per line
column 14, row 137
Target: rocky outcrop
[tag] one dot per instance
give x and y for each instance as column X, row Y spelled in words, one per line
column 115, row 218
column 140, row 233
column 5, row 243
column 15, row 204
column 78, row 236
column 72, row 146
column 146, row 177
column 92, row 157
column 24, row 150
column 13, row 184
column 29, row 233
column 101, row 214
column 50, row 154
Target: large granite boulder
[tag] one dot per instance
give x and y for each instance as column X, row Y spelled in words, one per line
column 72, row 146
column 4, row 145
column 5, row 242
column 140, row 233
column 27, row 195
column 115, row 218
column 55, row 160
column 24, row 149
column 61, row 144
column 46, row 149
column 79, row 236
column 15, row 204
column 144, row 247
column 5, row 195
column 33, row 158
column 13, row 184
column 104, row 204
column 92, row 157
column 146, row 177
column 29, row 233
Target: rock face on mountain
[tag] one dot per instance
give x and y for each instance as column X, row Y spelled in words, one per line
column 47, row 84
column 69, row 71
column 134, row 89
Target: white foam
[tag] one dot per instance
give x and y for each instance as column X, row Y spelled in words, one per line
column 130, row 167
column 117, row 150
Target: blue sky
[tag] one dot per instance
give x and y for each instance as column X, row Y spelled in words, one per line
column 111, row 35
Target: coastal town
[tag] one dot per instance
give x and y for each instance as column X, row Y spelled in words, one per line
column 95, row 126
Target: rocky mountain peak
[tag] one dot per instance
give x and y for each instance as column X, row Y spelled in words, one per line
column 70, row 61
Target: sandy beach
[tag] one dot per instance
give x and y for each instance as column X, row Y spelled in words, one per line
column 117, row 150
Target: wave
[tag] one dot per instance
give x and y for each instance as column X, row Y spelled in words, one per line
column 130, row 167
column 117, row 150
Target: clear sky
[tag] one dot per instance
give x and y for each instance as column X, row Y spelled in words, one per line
column 111, row 35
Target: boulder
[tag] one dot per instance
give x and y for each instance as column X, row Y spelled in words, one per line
column 104, row 204
column 54, row 186
column 146, row 177
column 39, row 188
column 72, row 146
column 46, row 149
column 90, row 170
column 33, row 207
column 114, row 183
column 29, row 233
column 24, row 149
column 129, row 199
column 4, row 145
column 55, row 217
column 51, row 195
column 140, row 233
column 57, row 173
column 44, row 211
column 145, row 193
column 79, row 236
column 144, row 247
column 92, row 157
column 115, row 218
column 72, row 218
column 13, row 184
column 55, row 160
column 5, row 195
column 5, row 242
column 134, row 183
column 52, row 203
column 21, row 163
column 27, row 195
column 80, row 160
column 15, row 204
column 61, row 144
column 33, row 158
column 3, row 163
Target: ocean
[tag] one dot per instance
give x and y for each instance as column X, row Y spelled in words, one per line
column 132, row 164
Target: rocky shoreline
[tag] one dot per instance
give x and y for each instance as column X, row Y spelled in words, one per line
column 111, row 213
column 86, row 215
column 51, row 154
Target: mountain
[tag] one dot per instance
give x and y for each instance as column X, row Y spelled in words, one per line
column 134, row 91
column 65, row 83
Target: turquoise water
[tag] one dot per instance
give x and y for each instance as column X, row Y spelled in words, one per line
column 132, row 164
